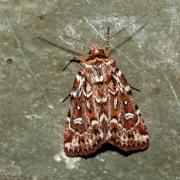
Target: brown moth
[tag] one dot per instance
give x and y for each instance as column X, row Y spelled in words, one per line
column 102, row 109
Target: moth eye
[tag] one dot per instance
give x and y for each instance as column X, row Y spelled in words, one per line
column 90, row 52
column 101, row 51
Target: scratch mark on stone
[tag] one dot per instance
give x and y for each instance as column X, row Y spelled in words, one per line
column 129, row 60
column 170, row 84
column 33, row 116
column 174, row 13
column 17, row 40
column 57, row 157
column 70, row 163
column 21, row 52
column 91, row 25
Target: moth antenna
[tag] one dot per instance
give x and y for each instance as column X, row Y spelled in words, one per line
column 127, row 26
column 60, row 47
column 79, row 40
column 107, row 42
column 135, row 88
column 126, row 40
column 70, row 61
column 108, row 37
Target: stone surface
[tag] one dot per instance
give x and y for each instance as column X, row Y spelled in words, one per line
column 32, row 85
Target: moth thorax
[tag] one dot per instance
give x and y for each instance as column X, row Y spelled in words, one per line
column 96, row 50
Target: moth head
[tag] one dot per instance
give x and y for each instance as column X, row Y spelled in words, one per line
column 96, row 50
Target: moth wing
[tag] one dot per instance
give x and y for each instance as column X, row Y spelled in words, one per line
column 127, row 130
column 82, row 133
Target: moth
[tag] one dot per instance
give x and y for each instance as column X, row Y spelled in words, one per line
column 102, row 109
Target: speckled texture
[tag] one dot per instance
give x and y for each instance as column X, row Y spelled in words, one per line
column 32, row 86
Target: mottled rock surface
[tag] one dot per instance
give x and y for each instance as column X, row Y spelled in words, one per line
column 32, row 85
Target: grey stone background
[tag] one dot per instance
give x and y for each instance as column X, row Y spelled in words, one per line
column 32, row 86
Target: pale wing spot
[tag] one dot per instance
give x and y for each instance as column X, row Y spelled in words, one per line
column 78, row 77
column 90, row 141
column 69, row 124
column 74, row 93
column 114, row 121
column 127, row 88
column 119, row 73
column 104, row 99
column 78, row 107
column 116, row 78
column 94, row 122
column 101, row 100
column 109, row 62
column 81, row 81
column 68, row 119
column 78, row 120
column 125, row 102
column 139, row 137
column 138, row 121
column 115, row 102
column 87, row 65
column 68, row 146
column 75, row 142
column 78, row 90
column 88, row 88
column 113, row 92
column 99, row 78
column 98, row 100
column 88, row 94
column 120, row 85
column 123, row 138
column 101, row 134
column 103, row 117
column 129, row 116
column 88, row 105
column 138, row 112
column 108, row 136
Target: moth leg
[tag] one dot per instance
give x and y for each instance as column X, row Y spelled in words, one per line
column 135, row 88
column 70, row 61
column 66, row 97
